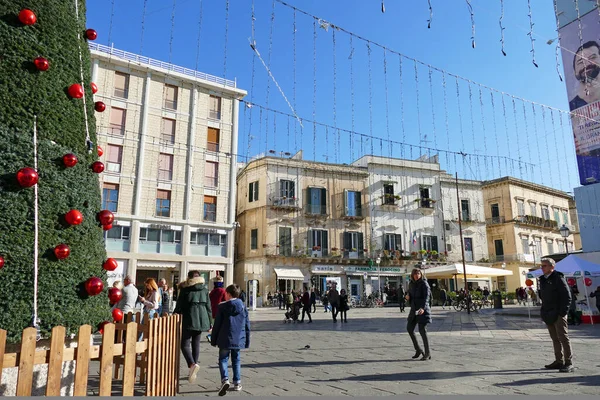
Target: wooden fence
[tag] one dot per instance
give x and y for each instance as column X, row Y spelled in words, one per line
column 156, row 356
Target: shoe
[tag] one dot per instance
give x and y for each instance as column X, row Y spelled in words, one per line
column 224, row 387
column 193, row 372
column 418, row 354
column 346, row 320
column 310, row 322
column 568, row 367
column 555, row 365
column 236, row 387
column 425, row 357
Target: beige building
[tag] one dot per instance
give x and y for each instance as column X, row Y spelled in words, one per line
column 522, row 220
column 168, row 135
column 301, row 224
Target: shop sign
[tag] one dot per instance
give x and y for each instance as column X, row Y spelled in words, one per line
column 159, row 226
column 325, row 268
column 374, row 269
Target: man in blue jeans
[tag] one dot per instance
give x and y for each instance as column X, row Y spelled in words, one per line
column 231, row 333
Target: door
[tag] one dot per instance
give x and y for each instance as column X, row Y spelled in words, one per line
column 499, row 250
column 469, row 249
column 495, row 214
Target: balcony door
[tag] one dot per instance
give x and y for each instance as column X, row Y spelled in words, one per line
column 285, row 241
column 317, row 242
column 353, row 244
column 469, row 249
column 499, row 247
column 317, row 200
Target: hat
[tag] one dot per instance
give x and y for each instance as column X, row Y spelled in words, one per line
column 218, row 278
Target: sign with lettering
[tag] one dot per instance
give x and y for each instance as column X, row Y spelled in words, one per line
column 207, row 230
column 158, row 226
column 397, row 270
column 326, row 268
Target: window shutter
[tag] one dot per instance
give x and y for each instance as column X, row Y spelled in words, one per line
column 434, row 243
column 256, row 191
column 361, row 244
column 385, row 242
column 250, row 192
column 358, row 200
column 324, row 197
column 324, row 241
column 398, row 242
column 292, row 189
column 347, row 244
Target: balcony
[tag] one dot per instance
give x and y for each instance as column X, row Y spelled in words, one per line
column 520, row 257
column 539, row 222
column 353, row 214
column 390, row 200
column 495, row 221
column 285, row 203
column 425, row 205
column 315, row 210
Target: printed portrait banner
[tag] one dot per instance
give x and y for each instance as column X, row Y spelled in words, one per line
column 582, row 77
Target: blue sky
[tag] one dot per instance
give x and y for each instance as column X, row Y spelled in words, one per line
column 402, row 28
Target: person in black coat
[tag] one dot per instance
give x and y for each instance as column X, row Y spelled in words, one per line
column 418, row 297
column 401, row 298
column 556, row 299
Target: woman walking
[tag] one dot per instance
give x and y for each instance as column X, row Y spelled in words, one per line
column 151, row 299
column 344, row 306
column 418, row 297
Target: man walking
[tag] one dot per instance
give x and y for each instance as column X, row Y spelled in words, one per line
column 556, row 298
column 306, row 305
column 334, row 301
column 130, row 295
column 313, row 299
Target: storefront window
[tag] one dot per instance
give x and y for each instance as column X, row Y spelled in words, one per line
column 165, row 241
column 208, row 244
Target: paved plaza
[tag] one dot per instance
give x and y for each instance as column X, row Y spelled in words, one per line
column 371, row 355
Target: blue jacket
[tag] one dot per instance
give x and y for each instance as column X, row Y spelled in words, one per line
column 232, row 326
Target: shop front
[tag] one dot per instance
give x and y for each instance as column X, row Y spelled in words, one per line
column 324, row 277
column 370, row 280
column 290, row 279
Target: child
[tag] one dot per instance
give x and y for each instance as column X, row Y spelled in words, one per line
column 231, row 332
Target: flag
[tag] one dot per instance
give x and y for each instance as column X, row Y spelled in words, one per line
column 414, row 238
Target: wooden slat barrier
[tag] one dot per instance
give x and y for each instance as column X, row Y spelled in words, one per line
column 157, row 356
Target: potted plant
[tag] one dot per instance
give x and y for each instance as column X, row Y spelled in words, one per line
column 354, row 249
column 314, row 248
column 334, row 249
column 265, row 245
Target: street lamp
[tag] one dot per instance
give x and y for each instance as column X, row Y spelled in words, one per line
column 565, row 232
column 532, row 248
column 378, row 260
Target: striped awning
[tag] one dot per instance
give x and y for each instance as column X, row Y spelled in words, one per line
column 292, row 274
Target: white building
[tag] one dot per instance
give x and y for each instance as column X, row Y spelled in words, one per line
column 168, row 135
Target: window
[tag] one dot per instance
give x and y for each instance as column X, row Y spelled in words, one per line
column 318, row 242
column 565, row 217
column 285, row 241
column 211, row 174
column 287, row 189
column 253, row 192
column 495, row 209
column 525, row 244
column 430, row 243
column 465, row 210
column 556, row 215
column 159, row 236
column 353, row 244
column 212, row 142
column 424, row 197
column 110, row 197
column 533, row 209
column 210, row 208
column 520, row 207
column 353, row 204
column 561, row 246
column 550, row 247
column 499, row 248
column 214, row 107
column 469, row 255
column 545, row 212
column 538, row 248
column 208, row 244
column 167, row 133
column 570, row 246
column 118, row 233
column 170, row 97
column 114, row 157
column 165, row 167
column 163, row 203
column 121, row 85
column 388, row 194
column 254, row 239
column 117, row 121
column 392, row 242
column 317, row 201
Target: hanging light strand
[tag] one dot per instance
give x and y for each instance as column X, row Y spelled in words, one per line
column 472, row 13
column 502, row 27
column 557, row 49
column 530, row 33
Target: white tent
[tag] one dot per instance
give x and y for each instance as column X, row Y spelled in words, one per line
column 447, row 271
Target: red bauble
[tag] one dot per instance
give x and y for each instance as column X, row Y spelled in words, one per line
column 571, row 282
column 27, row 17
column 110, row 264
column 70, row 160
column 94, row 87
column 107, row 227
column 62, row 251
column 117, row 315
column 588, row 281
column 41, row 64
column 91, row 34
column 106, row 217
column 27, row 177
column 74, row 217
column 99, row 106
column 114, row 295
column 76, row 91
column 100, row 151
column 1, row 262
column 101, row 326
column 98, row 167
column 94, row 286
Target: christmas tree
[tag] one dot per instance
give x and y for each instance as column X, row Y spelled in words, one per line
column 45, row 89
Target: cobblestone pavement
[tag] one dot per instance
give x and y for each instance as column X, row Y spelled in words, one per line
column 371, row 355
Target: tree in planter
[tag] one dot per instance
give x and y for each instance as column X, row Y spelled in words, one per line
column 41, row 90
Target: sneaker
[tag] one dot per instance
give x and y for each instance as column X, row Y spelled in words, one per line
column 193, row 372
column 568, row 367
column 236, row 387
column 224, row 387
column 555, row 365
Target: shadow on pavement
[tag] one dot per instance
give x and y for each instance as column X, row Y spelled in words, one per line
column 590, row 380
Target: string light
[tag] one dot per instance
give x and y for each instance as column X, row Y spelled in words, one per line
column 417, row 104
column 502, row 27
column 172, row 31
column 446, row 117
column 470, row 7
column 556, row 145
column 314, row 113
column 401, row 105
column 432, row 109
column 517, row 135
column 269, row 68
column 142, row 30
column 530, row 34
column 430, row 14
column 484, row 132
column 334, row 91
column 537, row 142
column 496, row 132
column 370, row 93
column 558, row 40
column 226, row 38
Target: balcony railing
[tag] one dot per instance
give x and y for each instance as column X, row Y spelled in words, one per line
column 520, row 257
column 425, row 203
column 285, row 202
column 495, row 221
column 532, row 220
column 315, row 209
column 353, row 213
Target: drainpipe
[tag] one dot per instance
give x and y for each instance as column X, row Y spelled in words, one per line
column 232, row 193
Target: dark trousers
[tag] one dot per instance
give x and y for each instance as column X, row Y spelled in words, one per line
column 287, row 307
column 314, row 305
column 344, row 315
column 190, row 346
column 402, row 304
column 410, row 327
column 334, row 310
column 306, row 310
column 559, row 332
column 280, row 302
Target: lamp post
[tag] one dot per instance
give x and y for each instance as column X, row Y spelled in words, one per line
column 565, row 232
column 378, row 260
column 532, row 248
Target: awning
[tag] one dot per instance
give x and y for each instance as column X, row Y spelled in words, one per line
column 292, row 274
column 206, row 267
column 448, row 271
column 142, row 264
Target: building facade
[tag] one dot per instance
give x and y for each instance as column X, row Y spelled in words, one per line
column 301, row 224
column 522, row 220
column 167, row 135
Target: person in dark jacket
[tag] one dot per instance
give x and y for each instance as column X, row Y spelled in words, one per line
column 306, row 306
column 556, row 298
column 217, row 296
column 443, row 298
column 334, row 301
column 418, row 297
column 401, row 298
column 344, row 305
column 194, row 306
column 572, row 315
column 313, row 300
column 596, row 294
column 280, row 299
column 231, row 333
